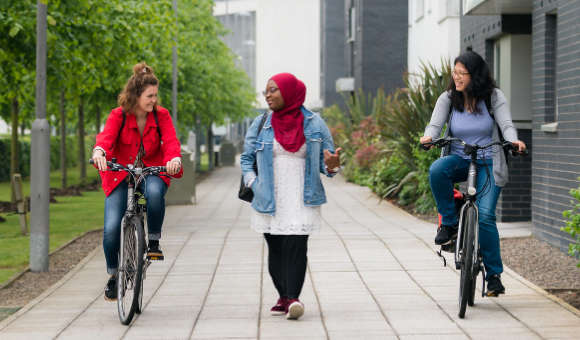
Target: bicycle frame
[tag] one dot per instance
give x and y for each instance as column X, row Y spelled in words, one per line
column 131, row 274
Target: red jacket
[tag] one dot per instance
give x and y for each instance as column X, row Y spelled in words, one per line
column 126, row 148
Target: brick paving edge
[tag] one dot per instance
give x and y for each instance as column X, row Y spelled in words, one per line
column 27, row 269
column 542, row 291
column 6, row 322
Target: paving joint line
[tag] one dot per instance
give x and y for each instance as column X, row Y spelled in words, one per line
column 214, row 273
column 318, row 302
column 362, row 279
column 449, row 267
column 47, row 293
column 260, row 306
column 160, row 284
column 399, row 262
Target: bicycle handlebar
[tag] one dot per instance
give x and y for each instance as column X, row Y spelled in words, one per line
column 114, row 166
column 442, row 142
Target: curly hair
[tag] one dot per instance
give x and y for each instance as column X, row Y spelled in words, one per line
column 142, row 77
column 481, row 85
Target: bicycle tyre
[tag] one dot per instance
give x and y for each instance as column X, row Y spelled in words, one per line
column 143, row 247
column 466, row 282
column 471, row 296
column 130, row 270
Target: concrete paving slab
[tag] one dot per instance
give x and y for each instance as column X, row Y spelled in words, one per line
column 373, row 274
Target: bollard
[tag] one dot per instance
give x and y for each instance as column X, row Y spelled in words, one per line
column 20, row 202
column 182, row 190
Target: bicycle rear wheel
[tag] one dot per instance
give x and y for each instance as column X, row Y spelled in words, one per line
column 129, row 281
column 467, row 282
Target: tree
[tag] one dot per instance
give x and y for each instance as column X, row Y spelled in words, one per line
column 17, row 38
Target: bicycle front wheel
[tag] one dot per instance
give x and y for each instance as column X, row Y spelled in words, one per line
column 130, row 269
column 467, row 282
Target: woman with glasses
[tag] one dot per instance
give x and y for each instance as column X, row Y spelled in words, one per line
column 292, row 148
column 476, row 111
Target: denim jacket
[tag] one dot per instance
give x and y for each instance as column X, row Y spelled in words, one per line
column 260, row 145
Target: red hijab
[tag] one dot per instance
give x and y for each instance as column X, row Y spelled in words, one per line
column 288, row 122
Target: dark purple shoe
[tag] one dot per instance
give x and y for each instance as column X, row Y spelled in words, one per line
column 280, row 307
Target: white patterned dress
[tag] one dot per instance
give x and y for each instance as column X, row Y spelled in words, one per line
column 291, row 216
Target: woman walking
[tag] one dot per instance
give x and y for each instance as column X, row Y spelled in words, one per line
column 476, row 111
column 293, row 148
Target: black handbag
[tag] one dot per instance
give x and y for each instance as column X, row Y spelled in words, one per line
column 246, row 193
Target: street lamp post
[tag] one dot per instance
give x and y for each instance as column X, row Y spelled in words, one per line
column 40, row 155
column 174, row 87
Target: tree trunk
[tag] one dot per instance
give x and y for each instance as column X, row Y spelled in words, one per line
column 198, row 140
column 209, row 147
column 14, row 145
column 81, row 135
column 62, row 140
column 97, row 119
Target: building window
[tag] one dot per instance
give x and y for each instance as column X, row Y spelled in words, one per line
column 497, row 63
column 551, row 68
column 447, row 9
column 352, row 23
column 419, row 9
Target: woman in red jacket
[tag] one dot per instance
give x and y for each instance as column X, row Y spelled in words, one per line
column 141, row 133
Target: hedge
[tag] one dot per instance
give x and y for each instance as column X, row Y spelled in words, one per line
column 24, row 161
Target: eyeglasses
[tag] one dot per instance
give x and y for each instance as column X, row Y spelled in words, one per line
column 271, row 90
column 457, row 74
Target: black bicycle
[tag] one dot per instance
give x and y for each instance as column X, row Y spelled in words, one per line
column 133, row 261
column 468, row 256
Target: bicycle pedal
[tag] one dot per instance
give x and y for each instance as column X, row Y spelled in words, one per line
column 155, row 257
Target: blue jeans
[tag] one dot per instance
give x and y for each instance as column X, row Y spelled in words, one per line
column 451, row 169
column 115, row 206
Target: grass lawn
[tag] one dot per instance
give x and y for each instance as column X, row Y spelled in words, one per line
column 69, row 218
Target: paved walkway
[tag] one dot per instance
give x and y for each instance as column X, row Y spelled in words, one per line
column 373, row 274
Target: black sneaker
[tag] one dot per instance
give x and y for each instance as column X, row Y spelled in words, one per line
column 111, row 289
column 446, row 234
column 154, row 253
column 494, row 286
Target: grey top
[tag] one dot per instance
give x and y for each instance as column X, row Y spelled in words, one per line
column 475, row 128
column 502, row 115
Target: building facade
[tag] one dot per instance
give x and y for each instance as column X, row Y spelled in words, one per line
column 433, row 33
column 282, row 43
column 533, row 49
column 373, row 44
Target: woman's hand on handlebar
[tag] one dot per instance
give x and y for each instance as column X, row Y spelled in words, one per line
column 426, row 139
column 173, row 166
column 99, row 160
column 519, row 145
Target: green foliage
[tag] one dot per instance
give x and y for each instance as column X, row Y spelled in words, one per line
column 92, row 46
column 573, row 223
column 24, row 164
column 380, row 136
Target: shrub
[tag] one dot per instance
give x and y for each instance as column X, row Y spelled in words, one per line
column 24, row 159
column 573, row 224
column 380, row 136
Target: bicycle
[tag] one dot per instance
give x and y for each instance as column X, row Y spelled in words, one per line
column 133, row 262
column 467, row 254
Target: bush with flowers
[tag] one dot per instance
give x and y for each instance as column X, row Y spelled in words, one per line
column 380, row 137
